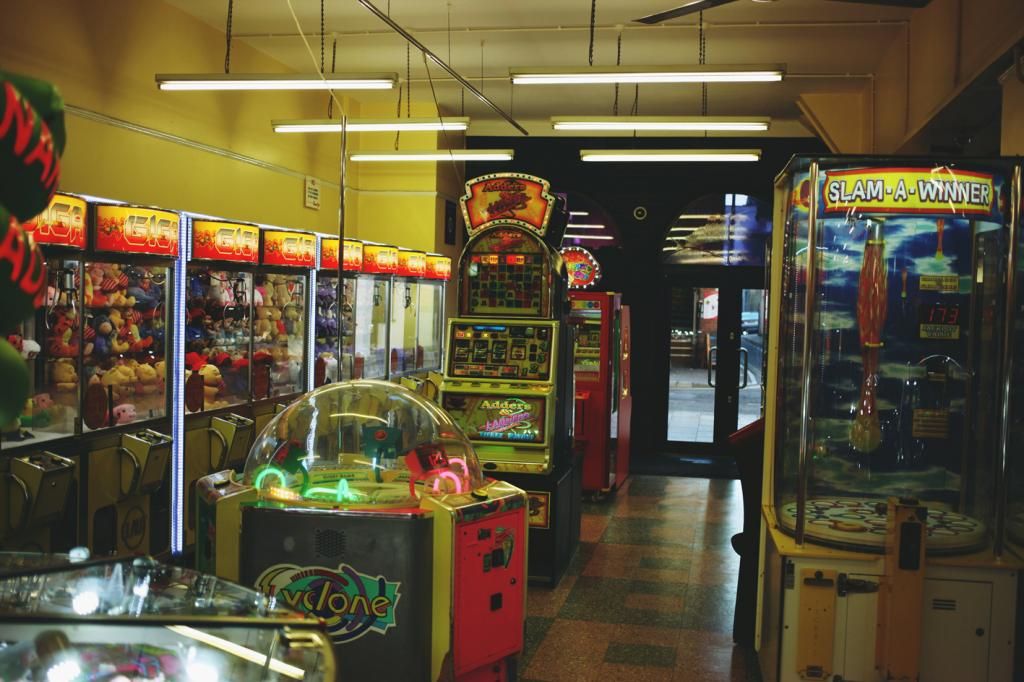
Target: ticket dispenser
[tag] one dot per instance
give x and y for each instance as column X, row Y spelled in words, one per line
column 233, row 432
column 37, row 488
column 144, row 458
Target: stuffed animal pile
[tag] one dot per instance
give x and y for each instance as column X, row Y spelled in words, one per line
column 278, row 331
column 217, row 335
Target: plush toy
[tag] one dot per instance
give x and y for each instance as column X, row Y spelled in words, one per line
column 262, row 326
column 104, row 331
column 125, row 414
column 146, row 298
column 120, row 300
column 282, row 296
column 219, row 292
column 277, row 327
column 212, row 382
column 280, row 354
column 30, row 349
column 291, row 320
column 121, row 379
column 63, row 375
column 95, row 296
column 61, row 342
column 118, row 343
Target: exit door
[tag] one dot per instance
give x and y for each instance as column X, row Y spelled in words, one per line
column 717, row 333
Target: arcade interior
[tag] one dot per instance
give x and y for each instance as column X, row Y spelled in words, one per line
column 480, row 342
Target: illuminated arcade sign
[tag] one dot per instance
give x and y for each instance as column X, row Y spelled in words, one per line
column 584, row 270
column 439, row 267
column 329, row 253
column 942, row 190
column 133, row 229
column 352, row 254
column 212, row 240
column 351, row 604
column 507, row 198
column 412, row 263
column 62, row 223
column 293, row 249
column 496, row 418
column 380, row 259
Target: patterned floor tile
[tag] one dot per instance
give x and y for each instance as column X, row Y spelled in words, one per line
column 642, row 531
column 604, row 600
column 547, row 601
column 641, row 655
column 592, row 527
column 536, row 630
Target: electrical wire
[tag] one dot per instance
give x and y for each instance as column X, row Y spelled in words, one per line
column 227, row 36
column 593, row 25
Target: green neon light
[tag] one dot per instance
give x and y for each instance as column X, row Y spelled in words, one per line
column 341, row 492
column 281, row 477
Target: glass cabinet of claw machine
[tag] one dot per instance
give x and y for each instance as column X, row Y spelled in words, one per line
column 405, row 308
column 127, row 287
column 430, row 334
column 142, row 620
column 279, row 326
column 326, row 334
column 890, row 317
column 373, row 311
column 218, row 314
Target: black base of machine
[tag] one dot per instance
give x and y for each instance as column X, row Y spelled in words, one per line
column 383, row 549
column 552, row 547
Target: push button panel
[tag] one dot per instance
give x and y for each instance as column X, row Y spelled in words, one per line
column 501, row 351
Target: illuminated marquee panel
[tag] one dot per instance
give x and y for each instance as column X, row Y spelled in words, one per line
column 63, row 223
column 287, row 248
column 134, row 229
column 236, row 242
column 497, row 418
column 329, row 253
column 508, row 199
column 583, row 269
column 439, row 267
column 412, row 263
column 939, row 191
column 380, row 259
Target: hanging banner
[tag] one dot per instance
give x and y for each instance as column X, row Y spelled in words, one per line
column 941, row 190
column 134, row 229
column 583, row 269
column 439, row 267
column 380, row 259
column 329, row 253
column 236, row 242
column 507, row 199
column 412, row 263
column 63, row 223
column 288, row 248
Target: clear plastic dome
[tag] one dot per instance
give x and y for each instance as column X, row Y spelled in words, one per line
column 359, row 445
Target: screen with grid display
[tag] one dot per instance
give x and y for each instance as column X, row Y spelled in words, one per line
column 507, row 274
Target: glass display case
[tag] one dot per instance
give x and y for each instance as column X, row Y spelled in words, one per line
column 405, row 309
column 327, row 330
column 218, row 333
column 142, row 620
column 892, row 313
column 372, row 314
column 430, row 319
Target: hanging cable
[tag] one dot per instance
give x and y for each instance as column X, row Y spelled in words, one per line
column 618, row 62
column 227, row 35
column 398, row 111
column 444, row 133
column 322, row 22
column 334, row 61
column 702, row 52
column 593, row 25
column 408, row 79
column 481, row 66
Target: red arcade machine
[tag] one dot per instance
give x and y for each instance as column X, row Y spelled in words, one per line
column 601, row 368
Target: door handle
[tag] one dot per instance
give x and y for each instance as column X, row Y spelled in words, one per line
column 712, row 359
column 745, row 354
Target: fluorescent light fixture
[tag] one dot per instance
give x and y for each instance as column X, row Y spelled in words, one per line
column 435, row 155
column 662, row 123
column 579, row 213
column 275, row 81
column 587, row 236
column 700, row 216
column 371, row 125
column 648, row 74
column 670, row 155
column 585, row 226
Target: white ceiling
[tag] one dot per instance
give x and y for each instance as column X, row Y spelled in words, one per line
column 824, row 45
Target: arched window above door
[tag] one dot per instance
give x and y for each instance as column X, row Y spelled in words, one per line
column 719, row 229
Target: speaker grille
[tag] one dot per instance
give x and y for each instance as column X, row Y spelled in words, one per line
column 944, row 604
column 330, row 543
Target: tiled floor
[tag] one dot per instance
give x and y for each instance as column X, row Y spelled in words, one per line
column 650, row 594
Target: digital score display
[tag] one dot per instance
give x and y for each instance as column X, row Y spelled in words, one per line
column 506, row 282
column 940, row 321
column 512, row 352
column 498, row 418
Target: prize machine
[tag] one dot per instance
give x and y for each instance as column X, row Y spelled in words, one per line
column 282, row 303
column 508, row 371
column 406, row 357
column 37, row 481
column 372, row 312
column 120, row 619
column 217, row 334
column 364, row 505
column 328, row 357
column 430, row 322
column 883, row 546
column 600, row 365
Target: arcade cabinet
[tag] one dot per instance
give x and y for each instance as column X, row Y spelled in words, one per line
column 364, row 504
column 599, row 361
column 508, row 370
column 884, row 548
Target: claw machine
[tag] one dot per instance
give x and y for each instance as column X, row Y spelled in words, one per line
column 281, row 299
column 217, row 325
column 372, row 313
column 39, row 482
column 337, row 281
column 430, row 325
column 884, row 544
column 404, row 352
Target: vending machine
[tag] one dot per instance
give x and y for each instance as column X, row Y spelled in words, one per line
column 372, row 312
column 885, row 549
column 508, row 377
column 598, row 365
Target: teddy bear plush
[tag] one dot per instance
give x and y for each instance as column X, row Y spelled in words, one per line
column 63, row 375
column 103, row 330
column 213, row 382
column 262, row 326
column 118, row 342
column 146, row 379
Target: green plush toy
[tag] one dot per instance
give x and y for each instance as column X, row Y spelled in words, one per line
column 31, row 142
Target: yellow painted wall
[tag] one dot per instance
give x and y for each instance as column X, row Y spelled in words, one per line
column 103, row 56
column 1012, row 143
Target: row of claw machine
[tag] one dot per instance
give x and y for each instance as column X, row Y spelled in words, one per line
column 894, row 468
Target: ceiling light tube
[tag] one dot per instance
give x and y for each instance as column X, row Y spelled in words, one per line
column 670, row 155
column 370, row 125
column 648, row 74
column 579, row 213
column 661, row 123
column 584, row 226
column 275, row 81
column 587, row 236
column 435, row 155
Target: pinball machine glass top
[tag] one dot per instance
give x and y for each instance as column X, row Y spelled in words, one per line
column 507, row 272
column 361, row 445
column 894, row 395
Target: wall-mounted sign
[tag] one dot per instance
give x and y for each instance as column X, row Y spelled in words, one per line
column 133, row 229
column 329, row 253
column 941, row 190
column 284, row 247
column 352, row 255
column 380, row 259
column 412, row 263
column 439, row 267
column 497, row 418
column 584, row 270
column 63, row 223
column 311, row 193
column 236, row 242
column 507, row 198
